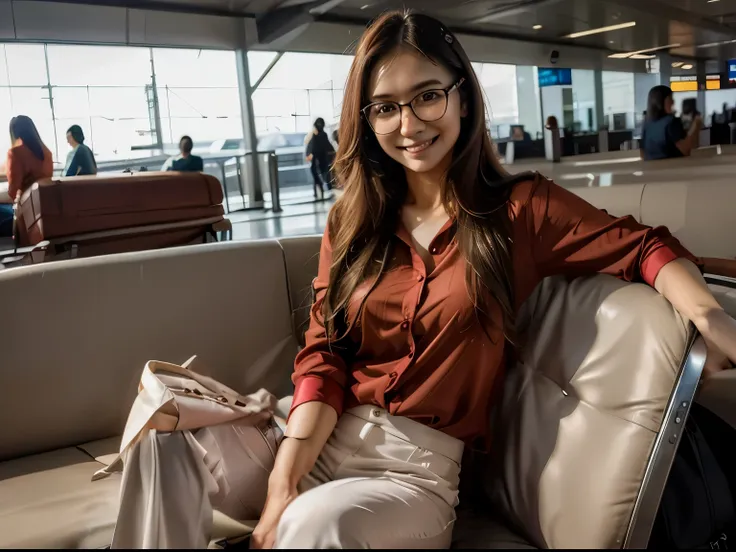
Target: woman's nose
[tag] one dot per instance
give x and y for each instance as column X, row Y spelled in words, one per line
column 410, row 123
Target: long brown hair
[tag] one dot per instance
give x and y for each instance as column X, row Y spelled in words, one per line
column 474, row 192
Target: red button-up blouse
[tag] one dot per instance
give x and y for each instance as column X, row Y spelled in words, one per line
column 422, row 352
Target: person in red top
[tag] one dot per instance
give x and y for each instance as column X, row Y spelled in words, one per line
column 28, row 161
column 426, row 258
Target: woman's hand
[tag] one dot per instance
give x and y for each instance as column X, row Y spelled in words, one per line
column 719, row 331
column 264, row 535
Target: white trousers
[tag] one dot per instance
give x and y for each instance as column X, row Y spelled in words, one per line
column 381, row 481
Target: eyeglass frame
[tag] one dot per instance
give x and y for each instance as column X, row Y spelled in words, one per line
column 446, row 91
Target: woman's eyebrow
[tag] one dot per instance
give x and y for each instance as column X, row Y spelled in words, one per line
column 415, row 88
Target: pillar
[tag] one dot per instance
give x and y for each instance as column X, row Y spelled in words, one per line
column 253, row 182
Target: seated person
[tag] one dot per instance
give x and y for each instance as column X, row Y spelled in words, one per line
column 81, row 160
column 663, row 135
column 28, row 161
column 518, row 134
column 185, row 161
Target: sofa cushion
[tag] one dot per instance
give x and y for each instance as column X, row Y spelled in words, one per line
column 81, row 331
column 582, row 408
column 49, row 501
column 482, row 529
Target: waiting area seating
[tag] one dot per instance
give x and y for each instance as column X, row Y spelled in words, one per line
column 586, row 430
column 62, row 218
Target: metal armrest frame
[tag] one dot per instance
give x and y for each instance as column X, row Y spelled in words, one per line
column 666, row 443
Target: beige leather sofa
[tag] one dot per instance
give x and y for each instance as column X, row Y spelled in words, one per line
column 587, row 428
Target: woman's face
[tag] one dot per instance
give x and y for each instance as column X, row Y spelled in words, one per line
column 70, row 139
column 419, row 146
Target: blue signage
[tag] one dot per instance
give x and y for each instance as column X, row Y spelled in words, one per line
column 732, row 71
column 554, row 76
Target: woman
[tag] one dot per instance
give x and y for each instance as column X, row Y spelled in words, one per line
column 81, row 160
column 185, row 161
column 28, row 161
column 320, row 153
column 663, row 135
column 425, row 260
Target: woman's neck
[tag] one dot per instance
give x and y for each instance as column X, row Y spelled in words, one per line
column 425, row 188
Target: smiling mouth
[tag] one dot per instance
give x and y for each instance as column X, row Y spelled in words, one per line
column 416, row 148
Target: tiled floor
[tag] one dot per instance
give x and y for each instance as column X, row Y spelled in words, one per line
column 294, row 220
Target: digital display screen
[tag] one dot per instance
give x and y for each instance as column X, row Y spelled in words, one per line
column 553, row 76
column 732, row 71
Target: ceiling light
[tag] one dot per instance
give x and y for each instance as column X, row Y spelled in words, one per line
column 677, row 64
column 601, row 30
column 642, row 56
column 687, row 67
column 712, row 44
column 711, row 1
column 624, row 55
column 536, row 27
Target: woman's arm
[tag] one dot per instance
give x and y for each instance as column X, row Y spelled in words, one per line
column 682, row 284
column 320, row 377
column 689, row 142
column 310, row 425
column 567, row 235
column 14, row 174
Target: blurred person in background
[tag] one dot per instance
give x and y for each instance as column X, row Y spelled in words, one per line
column 689, row 113
column 320, row 153
column 29, row 160
column 185, row 161
column 80, row 161
column 664, row 136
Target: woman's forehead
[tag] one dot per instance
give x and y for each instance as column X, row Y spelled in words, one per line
column 399, row 74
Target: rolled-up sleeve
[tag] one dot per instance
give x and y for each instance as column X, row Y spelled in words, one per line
column 320, row 373
column 568, row 236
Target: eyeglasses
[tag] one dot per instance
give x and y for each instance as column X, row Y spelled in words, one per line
column 427, row 106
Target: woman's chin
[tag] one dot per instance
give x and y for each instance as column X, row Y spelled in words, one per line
column 419, row 165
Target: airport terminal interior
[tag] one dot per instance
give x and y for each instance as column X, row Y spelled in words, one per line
column 170, row 169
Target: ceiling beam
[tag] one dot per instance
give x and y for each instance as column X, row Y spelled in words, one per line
column 670, row 10
column 290, row 19
column 509, row 10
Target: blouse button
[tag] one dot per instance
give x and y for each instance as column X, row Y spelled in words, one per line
column 433, row 251
column 404, row 325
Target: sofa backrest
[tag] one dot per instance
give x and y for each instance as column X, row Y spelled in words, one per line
column 582, row 408
column 697, row 212
column 301, row 255
column 78, row 333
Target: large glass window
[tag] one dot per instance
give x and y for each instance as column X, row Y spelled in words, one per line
column 283, row 106
column 583, row 98
column 619, row 104
column 500, row 90
column 109, row 92
column 198, row 95
column 24, row 91
column 106, row 90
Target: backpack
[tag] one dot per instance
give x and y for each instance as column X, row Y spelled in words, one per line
column 697, row 507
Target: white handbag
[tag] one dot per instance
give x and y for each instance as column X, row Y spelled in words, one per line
column 190, row 444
